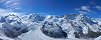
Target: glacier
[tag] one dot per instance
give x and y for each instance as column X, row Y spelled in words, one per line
column 49, row 27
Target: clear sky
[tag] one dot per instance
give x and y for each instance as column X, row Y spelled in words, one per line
column 55, row 7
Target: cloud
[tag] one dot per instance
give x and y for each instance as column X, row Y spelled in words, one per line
column 89, row 8
column 8, row 2
column 92, row 3
column 11, row 4
column 4, row 12
column 98, row 7
column 15, row 5
column 85, row 8
column 1, row 1
column 82, row 12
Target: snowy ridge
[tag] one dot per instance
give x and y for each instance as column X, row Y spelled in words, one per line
column 66, row 27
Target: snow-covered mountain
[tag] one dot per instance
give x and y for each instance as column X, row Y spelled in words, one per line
column 65, row 27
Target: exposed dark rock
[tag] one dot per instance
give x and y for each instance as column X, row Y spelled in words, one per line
column 14, row 31
column 90, row 34
column 1, row 39
column 53, row 31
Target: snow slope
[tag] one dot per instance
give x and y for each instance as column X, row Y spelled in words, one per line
column 38, row 35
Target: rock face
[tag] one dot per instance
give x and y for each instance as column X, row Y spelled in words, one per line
column 1, row 39
column 53, row 30
column 14, row 30
column 36, row 18
column 13, row 27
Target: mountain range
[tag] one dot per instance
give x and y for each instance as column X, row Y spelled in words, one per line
column 64, row 27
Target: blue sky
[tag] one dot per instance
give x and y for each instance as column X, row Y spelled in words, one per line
column 91, row 8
